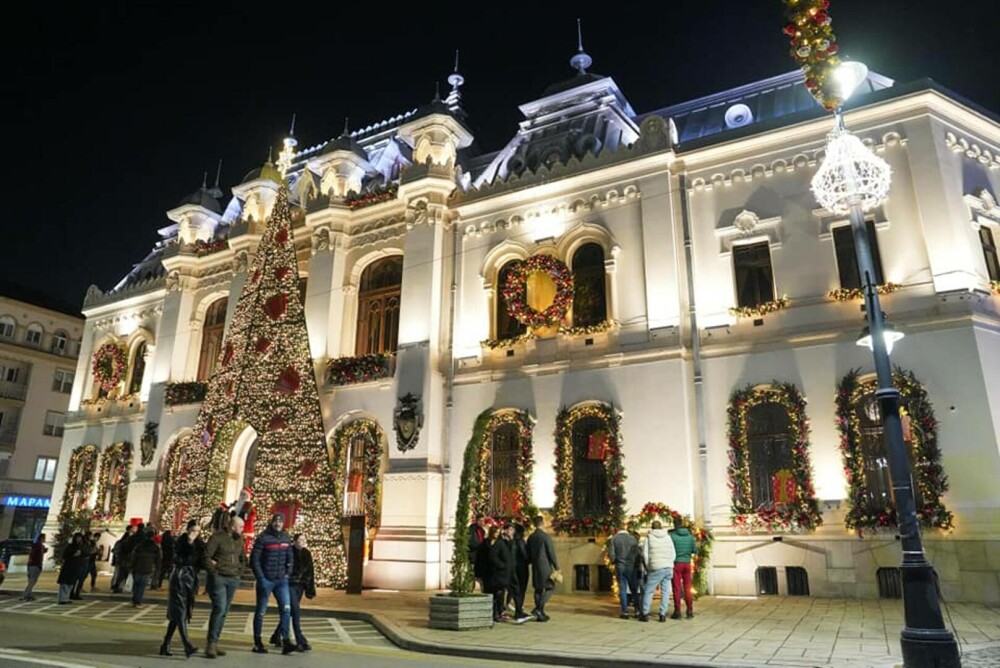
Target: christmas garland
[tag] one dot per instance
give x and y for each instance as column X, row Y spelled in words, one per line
column 814, row 48
column 928, row 475
column 188, row 392
column 109, row 365
column 493, row 344
column 849, row 294
column 119, row 454
column 582, row 330
column 372, row 481
column 202, row 248
column 82, row 465
column 563, row 517
column 515, row 291
column 355, row 202
column 760, row 309
column 518, row 505
column 359, row 369
column 803, row 512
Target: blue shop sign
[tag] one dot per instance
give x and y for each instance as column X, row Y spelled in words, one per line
column 26, row 501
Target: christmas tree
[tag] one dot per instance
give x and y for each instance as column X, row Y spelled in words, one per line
column 265, row 379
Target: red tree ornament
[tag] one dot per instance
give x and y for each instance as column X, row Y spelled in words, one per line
column 277, row 423
column 281, row 272
column 308, row 467
column 227, row 356
column 275, row 305
column 288, row 382
column 262, row 344
column 282, row 236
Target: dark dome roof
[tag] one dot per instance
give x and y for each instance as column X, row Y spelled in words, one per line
column 202, row 198
column 345, row 142
column 578, row 80
column 251, row 175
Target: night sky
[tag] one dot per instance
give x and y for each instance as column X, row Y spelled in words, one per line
column 113, row 111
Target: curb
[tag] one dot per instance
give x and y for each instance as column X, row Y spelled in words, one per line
column 405, row 641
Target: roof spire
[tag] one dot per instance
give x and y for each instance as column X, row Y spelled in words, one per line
column 581, row 61
column 437, row 91
column 204, row 180
column 347, row 131
column 287, row 153
column 291, row 130
column 454, row 99
column 215, row 190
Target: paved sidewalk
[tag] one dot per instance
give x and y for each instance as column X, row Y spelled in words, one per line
column 585, row 630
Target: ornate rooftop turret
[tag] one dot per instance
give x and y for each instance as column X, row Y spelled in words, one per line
column 258, row 191
column 436, row 133
column 197, row 215
column 341, row 164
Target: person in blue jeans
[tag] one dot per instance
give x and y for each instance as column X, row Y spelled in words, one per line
column 272, row 560
column 623, row 550
column 658, row 555
column 301, row 582
column 224, row 559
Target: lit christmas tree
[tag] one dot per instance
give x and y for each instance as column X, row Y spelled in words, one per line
column 264, row 379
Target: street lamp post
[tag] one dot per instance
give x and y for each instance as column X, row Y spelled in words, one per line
column 852, row 180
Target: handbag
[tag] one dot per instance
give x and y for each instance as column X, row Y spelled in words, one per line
column 556, row 576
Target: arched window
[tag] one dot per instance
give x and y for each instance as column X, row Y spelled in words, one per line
column 60, row 342
column 7, row 326
column 360, row 461
column 211, row 337
column 358, row 484
column 590, row 477
column 378, row 306
column 507, row 327
column 33, row 336
column 769, row 450
column 589, row 293
column 137, row 367
column 502, row 465
column 877, row 487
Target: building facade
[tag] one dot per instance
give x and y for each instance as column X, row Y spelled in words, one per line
column 39, row 344
column 614, row 309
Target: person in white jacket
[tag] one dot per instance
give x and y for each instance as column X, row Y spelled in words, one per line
column 658, row 554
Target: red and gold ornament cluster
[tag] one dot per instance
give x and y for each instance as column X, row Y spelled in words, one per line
column 515, row 291
column 814, row 47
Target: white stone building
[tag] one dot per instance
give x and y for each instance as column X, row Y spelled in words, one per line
column 670, row 221
column 39, row 344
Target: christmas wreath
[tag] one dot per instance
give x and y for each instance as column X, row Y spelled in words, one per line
column 929, row 479
column 109, row 365
column 515, row 291
column 794, row 506
column 610, row 453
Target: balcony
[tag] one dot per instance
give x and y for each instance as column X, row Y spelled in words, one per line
column 15, row 391
column 361, row 369
column 8, row 436
column 107, row 408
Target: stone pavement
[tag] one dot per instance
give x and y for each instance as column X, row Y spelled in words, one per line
column 585, row 630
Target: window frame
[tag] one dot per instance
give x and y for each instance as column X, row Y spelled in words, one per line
column 775, row 462
column 513, row 328
column 991, row 256
column 48, row 471
column 60, row 343
column 599, row 276
column 845, row 231
column 597, row 473
column 59, row 385
column 6, row 322
column 54, row 428
column 212, row 334
column 388, row 339
column 34, row 329
column 742, row 248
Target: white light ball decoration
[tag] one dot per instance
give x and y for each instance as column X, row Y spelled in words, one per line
column 850, row 173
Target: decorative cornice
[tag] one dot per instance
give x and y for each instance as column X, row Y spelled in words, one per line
column 972, row 150
column 745, row 226
column 95, row 297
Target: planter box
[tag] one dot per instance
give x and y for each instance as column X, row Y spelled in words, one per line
column 461, row 613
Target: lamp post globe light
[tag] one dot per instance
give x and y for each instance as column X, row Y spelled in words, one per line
column 852, row 180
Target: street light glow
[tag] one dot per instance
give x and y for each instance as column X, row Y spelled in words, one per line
column 848, row 76
column 889, row 334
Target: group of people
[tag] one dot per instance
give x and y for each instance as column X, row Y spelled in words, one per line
column 501, row 556
column 662, row 560
column 282, row 567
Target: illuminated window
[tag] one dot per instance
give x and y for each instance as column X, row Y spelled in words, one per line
column 877, row 487
column 137, row 368
column 590, row 477
column 507, row 327
column 847, row 260
column 589, row 294
column 505, row 446
column 378, row 306
column 988, row 242
column 45, row 469
column 211, row 337
column 754, row 275
column 768, row 448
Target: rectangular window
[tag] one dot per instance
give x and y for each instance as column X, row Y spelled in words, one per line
column 54, row 423
column 4, row 466
column 847, row 260
column 7, row 329
column 989, row 245
column 45, row 469
column 34, row 337
column 59, row 344
column 12, row 374
column 63, row 381
column 754, row 275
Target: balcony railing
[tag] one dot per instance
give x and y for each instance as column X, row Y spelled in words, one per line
column 360, row 369
column 107, row 408
column 8, row 436
column 15, row 391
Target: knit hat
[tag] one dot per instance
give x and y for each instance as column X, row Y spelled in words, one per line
column 275, row 517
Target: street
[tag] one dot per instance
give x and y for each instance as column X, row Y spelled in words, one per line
column 79, row 642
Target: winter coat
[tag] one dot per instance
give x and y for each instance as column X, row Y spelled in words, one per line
column 542, row 555
column 303, row 573
column 479, row 552
column 271, row 557
column 129, row 544
column 520, row 561
column 224, row 554
column 684, row 545
column 167, row 546
column 658, row 550
column 145, row 558
column 72, row 563
column 622, row 550
column 501, row 565
column 37, row 553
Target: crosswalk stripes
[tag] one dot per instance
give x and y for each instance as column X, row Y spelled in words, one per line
column 322, row 629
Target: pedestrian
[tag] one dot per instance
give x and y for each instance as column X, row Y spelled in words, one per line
column 501, row 569
column 89, row 548
column 224, row 560
column 69, row 573
column 477, row 557
column 271, row 561
column 622, row 551
column 658, row 554
column 35, row 557
column 118, row 560
column 520, row 573
column 542, row 555
column 182, row 585
column 167, row 555
column 301, row 582
column 156, row 577
column 95, row 554
column 685, row 546
column 640, row 572
column 143, row 562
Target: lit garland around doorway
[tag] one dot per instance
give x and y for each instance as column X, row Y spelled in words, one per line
column 117, row 458
column 929, row 477
column 518, row 505
column 371, row 482
column 801, row 511
column 79, row 480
